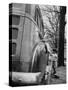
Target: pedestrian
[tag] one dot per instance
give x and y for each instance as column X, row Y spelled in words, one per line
column 54, row 63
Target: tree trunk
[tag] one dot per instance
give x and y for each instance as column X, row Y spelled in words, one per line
column 61, row 36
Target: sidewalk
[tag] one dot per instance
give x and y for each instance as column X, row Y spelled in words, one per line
column 61, row 72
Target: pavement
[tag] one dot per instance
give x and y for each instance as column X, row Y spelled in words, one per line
column 61, row 72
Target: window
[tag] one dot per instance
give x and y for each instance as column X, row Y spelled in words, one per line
column 28, row 8
column 14, row 33
column 13, row 48
column 15, row 19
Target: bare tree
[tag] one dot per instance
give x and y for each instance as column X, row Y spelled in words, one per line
column 54, row 25
column 51, row 22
